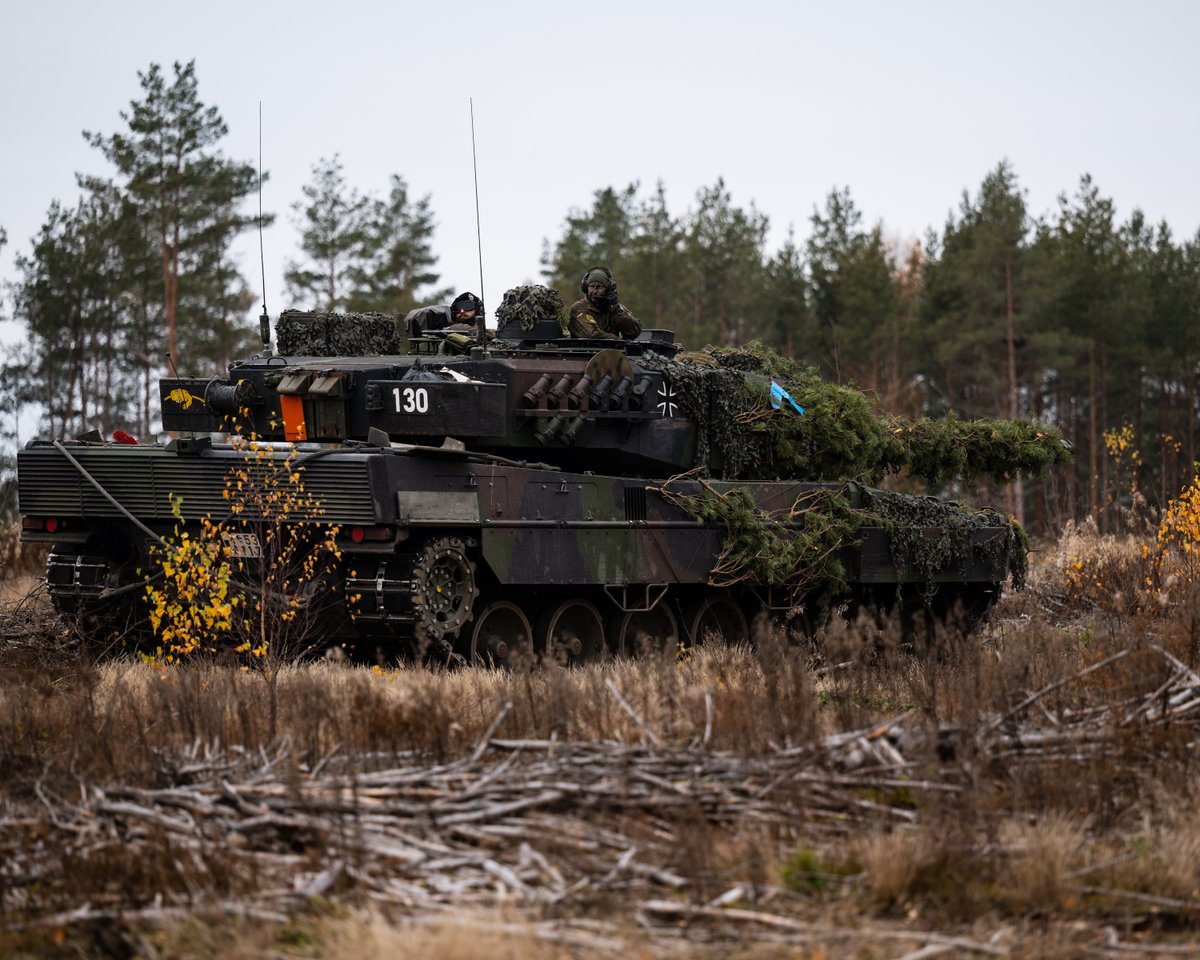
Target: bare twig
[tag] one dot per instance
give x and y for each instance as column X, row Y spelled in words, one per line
column 482, row 746
column 1050, row 688
column 612, row 687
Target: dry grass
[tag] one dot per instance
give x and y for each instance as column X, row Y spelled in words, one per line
column 1047, row 854
column 66, row 718
column 463, row 937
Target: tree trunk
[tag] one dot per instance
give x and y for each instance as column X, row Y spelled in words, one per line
column 1071, row 404
column 1017, row 490
column 1104, row 421
column 146, row 401
column 1190, row 434
column 168, row 268
column 1093, row 437
column 1163, row 495
column 107, row 377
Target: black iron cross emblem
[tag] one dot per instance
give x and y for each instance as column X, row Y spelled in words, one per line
column 667, row 405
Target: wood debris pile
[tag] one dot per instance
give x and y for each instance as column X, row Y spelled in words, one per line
column 543, row 825
column 520, row 820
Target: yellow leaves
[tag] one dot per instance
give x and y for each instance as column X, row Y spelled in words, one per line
column 206, row 599
column 1174, row 557
column 1116, row 442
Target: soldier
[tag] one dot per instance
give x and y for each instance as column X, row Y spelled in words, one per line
column 460, row 316
column 599, row 314
column 464, row 310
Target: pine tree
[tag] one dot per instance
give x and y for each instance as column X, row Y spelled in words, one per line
column 723, row 251
column 787, row 322
column 72, row 301
column 1089, row 277
column 1157, row 309
column 10, row 412
column 396, row 259
column 854, row 296
column 976, row 330
column 653, row 277
column 603, row 235
column 182, row 190
column 333, row 236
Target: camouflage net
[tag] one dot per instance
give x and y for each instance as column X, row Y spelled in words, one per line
column 303, row 334
column 728, row 409
column 796, row 550
column 800, row 550
column 727, row 393
column 936, row 535
column 530, row 304
column 839, row 436
column 942, row 450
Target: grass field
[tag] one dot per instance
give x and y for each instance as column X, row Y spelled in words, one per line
column 1026, row 791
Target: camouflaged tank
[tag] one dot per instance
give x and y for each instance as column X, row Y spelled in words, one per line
column 534, row 493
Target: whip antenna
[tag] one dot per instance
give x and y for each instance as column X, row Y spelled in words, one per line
column 264, row 320
column 478, row 232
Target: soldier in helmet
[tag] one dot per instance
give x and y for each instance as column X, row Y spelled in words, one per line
column 599, row 314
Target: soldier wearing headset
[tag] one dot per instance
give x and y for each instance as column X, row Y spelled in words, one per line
column 600, row 314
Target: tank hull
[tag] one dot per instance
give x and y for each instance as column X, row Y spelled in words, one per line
column 534, row 545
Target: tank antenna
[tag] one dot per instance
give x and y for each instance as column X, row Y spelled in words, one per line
column 482, row 336
column 264, row 320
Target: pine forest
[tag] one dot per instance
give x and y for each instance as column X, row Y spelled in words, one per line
column 1073, row 318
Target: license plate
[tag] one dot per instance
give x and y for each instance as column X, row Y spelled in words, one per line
column 242, row 545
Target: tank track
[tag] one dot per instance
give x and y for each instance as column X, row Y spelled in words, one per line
column 421, row 597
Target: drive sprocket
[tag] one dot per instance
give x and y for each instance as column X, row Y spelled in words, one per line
column 443, row 589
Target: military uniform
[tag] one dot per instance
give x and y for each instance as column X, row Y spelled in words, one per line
column 603, row 320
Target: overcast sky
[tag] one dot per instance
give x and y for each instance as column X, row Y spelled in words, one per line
column 906, row 104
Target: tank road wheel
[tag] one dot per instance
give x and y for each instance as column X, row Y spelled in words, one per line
column 716, row 621
column 573, row 633
column 638, row 632
column 444, row 589
column 501, row 636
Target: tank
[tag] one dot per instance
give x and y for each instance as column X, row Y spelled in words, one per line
column 528, row 494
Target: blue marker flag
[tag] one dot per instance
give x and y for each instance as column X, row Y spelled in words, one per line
column 778, row 394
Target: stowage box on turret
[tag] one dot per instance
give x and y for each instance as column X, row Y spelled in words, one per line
column 534, row 493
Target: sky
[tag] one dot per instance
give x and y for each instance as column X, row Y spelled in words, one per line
column 907, row 104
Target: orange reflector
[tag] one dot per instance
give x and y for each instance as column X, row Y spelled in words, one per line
column 292, row 408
